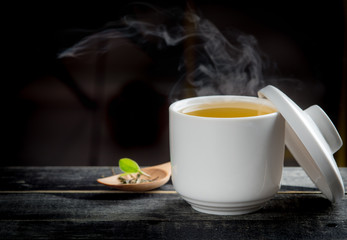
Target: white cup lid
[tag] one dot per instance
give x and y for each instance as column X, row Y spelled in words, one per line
column 312, row 139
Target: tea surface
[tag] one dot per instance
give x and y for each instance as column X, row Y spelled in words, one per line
column 229, row 110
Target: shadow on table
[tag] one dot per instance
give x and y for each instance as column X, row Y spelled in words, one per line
column 298, row 204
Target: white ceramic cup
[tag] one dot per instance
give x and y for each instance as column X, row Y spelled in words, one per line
column 226, row 166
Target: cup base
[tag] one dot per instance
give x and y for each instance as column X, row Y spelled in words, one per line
column 217, row 208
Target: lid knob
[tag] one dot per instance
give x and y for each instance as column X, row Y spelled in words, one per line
column 325, row 126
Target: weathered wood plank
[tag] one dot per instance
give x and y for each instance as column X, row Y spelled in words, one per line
column 157, row 229
column 144, row 206
column 84, row 178
column 55, row 178
column 80, row 208
column 165, row 216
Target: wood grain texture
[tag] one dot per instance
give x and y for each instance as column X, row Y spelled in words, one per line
column 42, row 203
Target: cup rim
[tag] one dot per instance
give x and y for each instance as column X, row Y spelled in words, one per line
column 177, row 106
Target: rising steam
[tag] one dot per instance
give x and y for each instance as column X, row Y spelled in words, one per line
column 210, row 63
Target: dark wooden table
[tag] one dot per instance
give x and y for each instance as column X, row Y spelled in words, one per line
column 68, row 203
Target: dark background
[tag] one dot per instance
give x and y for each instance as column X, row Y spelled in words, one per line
column 79, row 112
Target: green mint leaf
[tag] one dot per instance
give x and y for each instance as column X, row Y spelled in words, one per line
column 128, row 166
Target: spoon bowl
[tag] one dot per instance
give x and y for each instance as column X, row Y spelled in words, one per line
column 160, row 174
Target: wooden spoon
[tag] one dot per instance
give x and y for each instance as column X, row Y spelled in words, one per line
column 159, row 173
